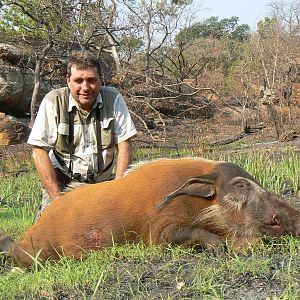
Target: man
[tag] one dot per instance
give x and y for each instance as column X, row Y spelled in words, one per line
column 66, row 139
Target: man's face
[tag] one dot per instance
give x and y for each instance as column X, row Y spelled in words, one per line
column 84, row 85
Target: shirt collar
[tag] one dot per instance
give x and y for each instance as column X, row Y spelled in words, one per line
column 73, row 103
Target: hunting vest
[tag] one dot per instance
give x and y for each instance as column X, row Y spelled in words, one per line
column 61, row 98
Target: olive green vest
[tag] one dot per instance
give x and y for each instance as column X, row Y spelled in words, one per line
column 61, row 98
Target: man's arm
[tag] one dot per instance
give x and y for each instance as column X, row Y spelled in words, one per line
column 46, row 171
column 124, row 157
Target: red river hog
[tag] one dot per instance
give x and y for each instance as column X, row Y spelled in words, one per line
column 189, row 202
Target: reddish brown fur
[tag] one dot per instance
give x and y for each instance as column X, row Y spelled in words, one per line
column 126, row 209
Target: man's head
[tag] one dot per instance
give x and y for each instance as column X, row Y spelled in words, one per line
column 84, row 78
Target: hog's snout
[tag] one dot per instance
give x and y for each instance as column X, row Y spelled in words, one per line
column 287, row 222
column 284, row 220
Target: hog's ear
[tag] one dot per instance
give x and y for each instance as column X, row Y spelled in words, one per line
column 241, row 185
column 239, row 189
column 196, row 186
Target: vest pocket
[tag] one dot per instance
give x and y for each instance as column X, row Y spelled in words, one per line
column 63, row 129
column 107, row 134
column 62, row 142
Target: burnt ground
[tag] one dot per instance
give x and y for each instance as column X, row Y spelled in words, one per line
column 157, row 279
column 224, row 129
column 200, row 138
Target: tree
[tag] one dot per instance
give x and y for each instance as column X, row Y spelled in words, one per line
column 96, row 28
column 154, row 22
column 214, row 28
column 42, row 25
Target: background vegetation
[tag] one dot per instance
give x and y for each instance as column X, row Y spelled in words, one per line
column 159, row 50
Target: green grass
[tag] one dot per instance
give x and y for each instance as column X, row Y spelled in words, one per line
column 270, row 269
column 133, row 272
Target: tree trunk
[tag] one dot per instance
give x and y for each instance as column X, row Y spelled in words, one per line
column 114, row 53
column 37, row 82
column 273, row 114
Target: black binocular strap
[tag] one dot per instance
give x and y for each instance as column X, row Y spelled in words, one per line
column 71, row 139
column 99, row 140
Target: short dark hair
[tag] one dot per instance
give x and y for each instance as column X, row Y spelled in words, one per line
column 83, row 59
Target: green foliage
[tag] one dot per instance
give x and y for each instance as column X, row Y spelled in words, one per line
column 131, row 42
column 36, row 19
column 181, row 2
column 240, row 33
column 130, row 45
column 13, row 19
column 214, row 28
column 264, row 27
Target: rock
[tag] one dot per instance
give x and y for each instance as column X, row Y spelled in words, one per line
column 11, row 55
column 11, row 77
column 25, row 102
column 12, row 131
column 11, row 87
column 17, row 81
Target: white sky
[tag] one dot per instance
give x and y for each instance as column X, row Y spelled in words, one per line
column 248, row 11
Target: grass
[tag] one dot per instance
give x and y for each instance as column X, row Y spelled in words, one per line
column 270, row 270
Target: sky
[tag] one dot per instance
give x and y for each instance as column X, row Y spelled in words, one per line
column 248, row 11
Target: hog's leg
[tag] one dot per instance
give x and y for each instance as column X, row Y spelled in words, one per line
column 191, row 236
